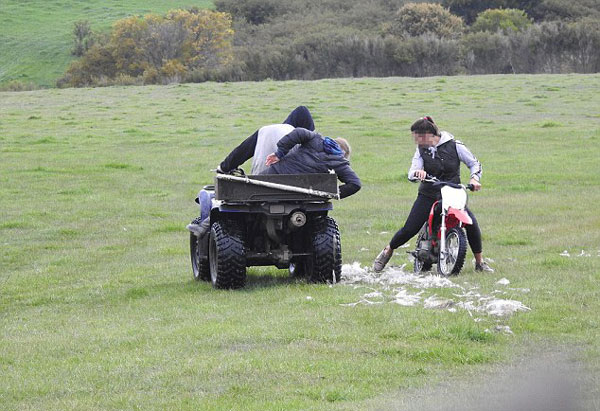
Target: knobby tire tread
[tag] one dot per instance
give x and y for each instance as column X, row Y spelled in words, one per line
column 231, row 263
column 327, row 252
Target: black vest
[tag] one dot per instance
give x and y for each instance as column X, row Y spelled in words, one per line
column 445, row 166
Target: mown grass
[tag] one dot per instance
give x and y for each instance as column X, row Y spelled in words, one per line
column 98, row 309
column 36, row 36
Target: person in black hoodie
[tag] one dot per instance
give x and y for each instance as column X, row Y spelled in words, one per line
column 264, row 141
column 439, row 155
column 314, row 154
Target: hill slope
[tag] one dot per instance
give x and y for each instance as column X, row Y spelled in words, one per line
column 35, row 36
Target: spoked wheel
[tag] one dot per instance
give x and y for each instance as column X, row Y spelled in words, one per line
column 420, row 265
column 200, row 266
column 456, row 250
column 227, row 255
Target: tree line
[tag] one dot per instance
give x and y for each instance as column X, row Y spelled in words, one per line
column 310, row 39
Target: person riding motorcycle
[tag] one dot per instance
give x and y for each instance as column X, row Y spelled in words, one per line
column 439, row 155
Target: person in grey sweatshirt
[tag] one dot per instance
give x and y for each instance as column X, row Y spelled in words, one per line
column 264, row 141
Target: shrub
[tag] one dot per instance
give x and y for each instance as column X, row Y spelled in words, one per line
column 156, row 49
column 469, row 9
column 486, row 52
column 555, row 47
column 427, row 55
column 415, row 19
column 17, row 85
column 253, row 11
column 494, row 20
column 82, row 37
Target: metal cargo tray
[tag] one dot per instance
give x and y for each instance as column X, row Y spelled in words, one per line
column 276, row 187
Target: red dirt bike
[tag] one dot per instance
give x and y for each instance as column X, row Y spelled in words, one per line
column 442, row 240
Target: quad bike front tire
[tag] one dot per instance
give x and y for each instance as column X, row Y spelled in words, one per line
column 456, row 251
column 227, row 255
column 200, row 266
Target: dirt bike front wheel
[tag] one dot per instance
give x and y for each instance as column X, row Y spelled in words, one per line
column 454, row 255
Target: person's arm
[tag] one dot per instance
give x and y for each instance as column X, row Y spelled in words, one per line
column 351, row 181
column 240, row 154
column 415, row 166
column 297, row 136
column 465, row 155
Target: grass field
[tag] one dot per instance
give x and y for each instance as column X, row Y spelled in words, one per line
column 36, row 36
column 98, row 309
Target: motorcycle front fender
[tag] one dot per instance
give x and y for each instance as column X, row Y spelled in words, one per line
column 460, row 215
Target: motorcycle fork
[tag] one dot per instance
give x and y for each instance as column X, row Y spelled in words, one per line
column 443, row 238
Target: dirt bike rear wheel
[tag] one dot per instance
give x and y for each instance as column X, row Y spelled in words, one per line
column 420, row 265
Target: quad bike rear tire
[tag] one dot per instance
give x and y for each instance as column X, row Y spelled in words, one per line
column 227, row 255
column 456, row 251
column 326, row 262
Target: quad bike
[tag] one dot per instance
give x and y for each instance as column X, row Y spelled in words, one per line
column 261, row 220
column 442, row 240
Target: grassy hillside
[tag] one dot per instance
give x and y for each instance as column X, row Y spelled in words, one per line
column 97, row 306
column 35, row 35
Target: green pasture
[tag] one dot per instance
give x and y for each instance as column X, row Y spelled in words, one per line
column 36, row 36
column 98, row 309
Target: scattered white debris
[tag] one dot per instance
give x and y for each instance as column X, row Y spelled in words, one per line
column 363, row 249
column 502, row 308
column 384, row 232
column 406, row 245
column 438, row 303
column 362, row 301
column 505, row 329
column 467, row 305
column 408, row 289
column 308, row 297
column 584, row 254
column 565, row 254
column 406, row 299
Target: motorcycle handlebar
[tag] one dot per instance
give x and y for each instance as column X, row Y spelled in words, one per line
column 434, row 180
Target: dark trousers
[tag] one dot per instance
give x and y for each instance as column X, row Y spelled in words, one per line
column 420, row 213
